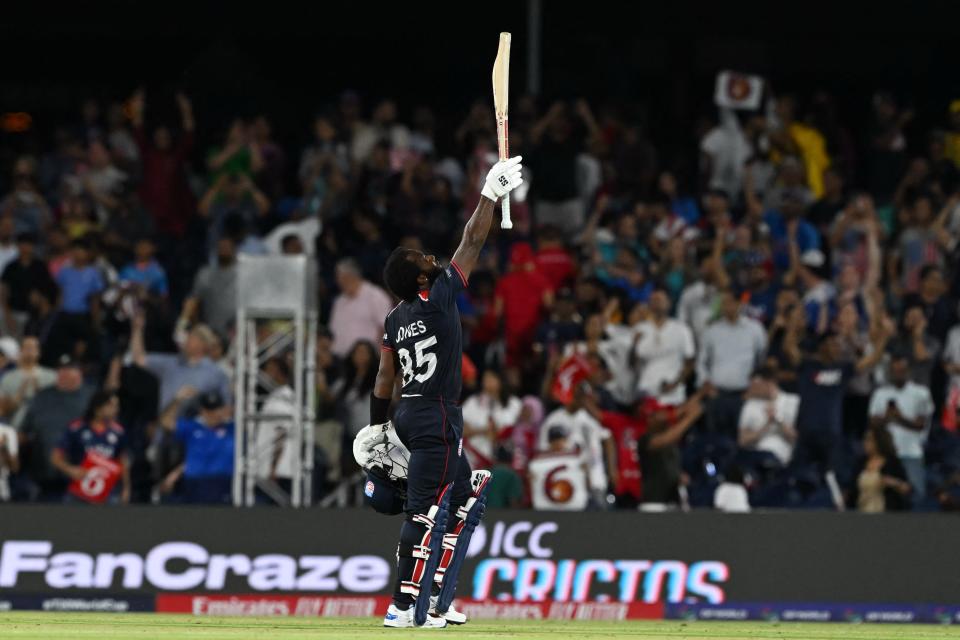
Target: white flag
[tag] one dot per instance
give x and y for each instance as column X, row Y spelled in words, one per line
column 738, row 90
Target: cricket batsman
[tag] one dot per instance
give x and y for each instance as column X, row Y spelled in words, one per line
column 422, row 350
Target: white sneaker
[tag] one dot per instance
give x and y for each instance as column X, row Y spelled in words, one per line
column 452, row 615
column 400, row 619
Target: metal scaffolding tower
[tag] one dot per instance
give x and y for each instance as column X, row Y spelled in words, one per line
column 276, row 315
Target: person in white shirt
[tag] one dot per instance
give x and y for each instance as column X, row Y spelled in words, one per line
column 613, row 345
column 558, row 476
column 9, row 459
column 768, row 418
column 589, row 437
column 358, row 311
column 485, row 416
column 18, row 386
column 730, row 349
column 725, row 150
column 904, row 408
column 951, row 357
column 275, row 450
column 699, row 300
column 664, row 350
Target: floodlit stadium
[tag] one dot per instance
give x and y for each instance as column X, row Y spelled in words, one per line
column 351, row 320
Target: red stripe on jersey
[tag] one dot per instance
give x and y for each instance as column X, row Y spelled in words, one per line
column 424, row 295
column 459, row 272
column 386, row 348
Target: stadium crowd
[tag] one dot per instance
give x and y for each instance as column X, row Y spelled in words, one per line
column 774, row 327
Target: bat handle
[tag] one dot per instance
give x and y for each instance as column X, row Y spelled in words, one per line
column 505, row 222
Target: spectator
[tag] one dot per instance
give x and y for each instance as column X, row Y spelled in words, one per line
column 818, row 293
column 559, row 474
column 81, row 283
column 214, row 291
column 164, row 188
column 145, row 271
column 881, row 482
column 358, row 311
column 92, row 453
column 192, row 368
column 921, row 349
column 904, row 408
column 822, row 379
column 588, row 437
column 232, row 195
column 562, row 327
column 102, row 181
column 237, row 157
column 352, row 391
column 505, row 490
column 9, row 355
column 25, row 204
column 9, row 460
column 275, row 444
column 731, row 348
column 522, row 295
column 8, row 243
column 554, row 162
column 19, row 386
column 699, row 300
column 825, row 210
column 20, row 277
column 951, row 358
column 725, row 150
column 486, row 415
column 659, row 448
column 552, row 259
column 938, row 306
column 918, row 246
column 48, row 414
column 768, row 419
column 208, row 442
column 664, row 350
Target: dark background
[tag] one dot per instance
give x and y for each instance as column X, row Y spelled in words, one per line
column 773, row 557
column 656, row 60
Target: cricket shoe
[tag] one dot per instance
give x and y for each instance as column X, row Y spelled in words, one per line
column 400, row 619
column 452, row 616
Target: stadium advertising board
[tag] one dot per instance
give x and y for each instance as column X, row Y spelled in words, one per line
column 520, row 564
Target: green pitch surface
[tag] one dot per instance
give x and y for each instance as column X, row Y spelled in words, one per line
column 54, row 626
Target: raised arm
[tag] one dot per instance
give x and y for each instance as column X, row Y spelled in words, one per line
column 383, row 387
column 501, row 180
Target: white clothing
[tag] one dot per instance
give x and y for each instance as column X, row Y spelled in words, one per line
column 697, row 306
column 662, row 352
column 754, row 417
column 731, row 498
column 276, row 432
column 584, row 434
column 478, row 410
column 913, row 401
column 13, row 448
column 558, row 482
column 729, row 151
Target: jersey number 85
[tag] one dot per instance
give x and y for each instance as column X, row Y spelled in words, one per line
column 423, row 358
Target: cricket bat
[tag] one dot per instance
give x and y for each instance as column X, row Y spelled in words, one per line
column 501, row 85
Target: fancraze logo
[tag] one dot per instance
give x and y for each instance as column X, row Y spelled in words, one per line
column 179, row 566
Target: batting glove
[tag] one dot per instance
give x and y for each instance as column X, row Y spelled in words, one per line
column 503, row 178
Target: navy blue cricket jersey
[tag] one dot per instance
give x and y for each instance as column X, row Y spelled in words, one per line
column 427, row 338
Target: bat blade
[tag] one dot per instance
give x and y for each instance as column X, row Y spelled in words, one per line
column 501, row 98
